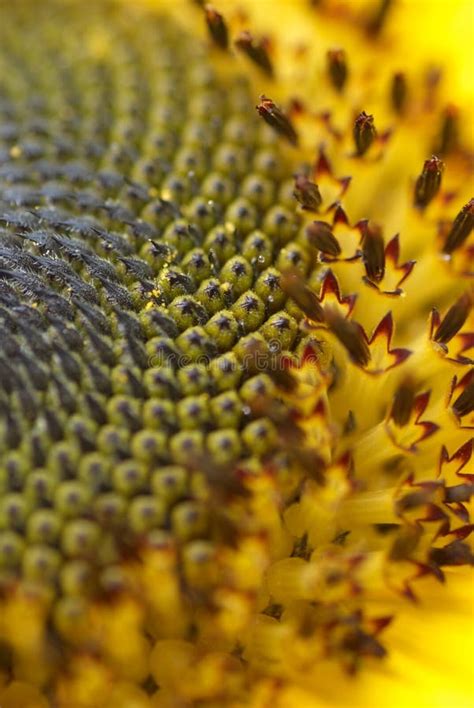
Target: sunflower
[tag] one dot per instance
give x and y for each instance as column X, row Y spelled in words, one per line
column 236, row 354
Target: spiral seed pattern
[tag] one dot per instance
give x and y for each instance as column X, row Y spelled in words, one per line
column 143, row 225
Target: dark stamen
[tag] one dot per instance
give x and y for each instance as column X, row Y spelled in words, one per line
column 404, row 545
column 428, row 183
column 364, row 132
column 301, row 548
column 464, row 404
column 363, row 644
column 459, row 493
column 320, row 236
column 373, row 252
column 307, row 193
column 453, row 319
column 256, row 50
column 217, row 27
column 455, row 553
column 461, row 228
column 274, row 610
column 448, row 138
column 402, row 405
column 350, row 334
column 337, row 67
column 379, row 18
column 274, row 116
column 293, row 285
column 399, row 92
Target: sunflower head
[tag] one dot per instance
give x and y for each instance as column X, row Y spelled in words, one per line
column 236, row 383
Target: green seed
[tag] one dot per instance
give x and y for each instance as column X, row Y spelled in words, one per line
column 40, row 563
column 129, row 477
column 80, row 538
column 170, row 483
column 224, row 446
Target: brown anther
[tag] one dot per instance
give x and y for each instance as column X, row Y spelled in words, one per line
column 337, row 67
column 379, row 18
column 428, row 183
column 320, row 236
column 256, row 50
column 363, row 644
column 448, row 138
column 217, row 27
column 462, row 226
column 350, row 425
column 414, row 499
column 255, row 355
column 453, row 319
column 364, row 133
column 455, row 553
column 404, row 544
column 464, row 404
column 301, row 548
column 402, row 404
column 273, row 610
column 274, row 116
column 399, row 92
column 307, row 623
column 373, row 252
column 351, row 336
column 307, row 193
column 292, row 284
column 309, row 461
column 283, row 378
column 459, row 493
